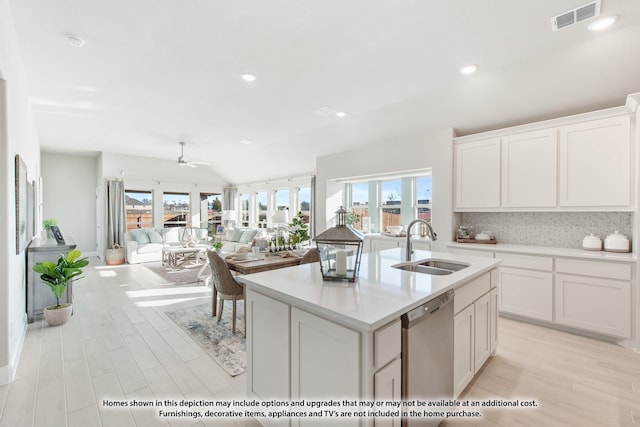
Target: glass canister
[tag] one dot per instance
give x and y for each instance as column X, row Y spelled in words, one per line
column 465, row 232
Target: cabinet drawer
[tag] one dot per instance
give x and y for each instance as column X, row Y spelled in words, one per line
column 531, row 262
column 609, row 270
column 471, row 291
column 387, row 343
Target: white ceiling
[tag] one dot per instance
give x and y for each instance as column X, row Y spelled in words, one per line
column 155, row 72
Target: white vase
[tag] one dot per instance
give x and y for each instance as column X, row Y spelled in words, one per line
column 56, row 316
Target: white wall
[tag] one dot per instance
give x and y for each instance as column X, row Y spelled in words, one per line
column 17, row 136
column 432, row 149
column 69, row 195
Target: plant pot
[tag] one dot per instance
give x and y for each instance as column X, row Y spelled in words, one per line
column 56, row 316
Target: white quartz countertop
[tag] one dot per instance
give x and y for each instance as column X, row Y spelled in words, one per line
column 548, row 251
column 379, row 295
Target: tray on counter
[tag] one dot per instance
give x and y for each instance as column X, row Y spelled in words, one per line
column 491, row 241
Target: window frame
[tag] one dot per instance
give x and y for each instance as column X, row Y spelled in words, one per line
column 139, row 224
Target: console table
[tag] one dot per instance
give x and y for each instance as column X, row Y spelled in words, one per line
column 39, row 295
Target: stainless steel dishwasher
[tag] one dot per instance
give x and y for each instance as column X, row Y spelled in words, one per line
column 427, row 355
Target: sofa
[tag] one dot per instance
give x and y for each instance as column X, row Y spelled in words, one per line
column 242, row 237
column 146, row 244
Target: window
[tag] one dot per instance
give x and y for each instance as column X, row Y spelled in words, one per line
column 423, row 198
column 210, row 211
column 391, row 203
column 304, row 203
column 244, row 209
column 360, row 204
column 176, row 209
column 262, row 199
column 138, row 208
column 282, row 199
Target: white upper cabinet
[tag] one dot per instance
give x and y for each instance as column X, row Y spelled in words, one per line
column 579, row 163
column 529, row 169
column 596, row 163
column 478, row 174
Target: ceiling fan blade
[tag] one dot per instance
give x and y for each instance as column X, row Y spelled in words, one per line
column 191, row 165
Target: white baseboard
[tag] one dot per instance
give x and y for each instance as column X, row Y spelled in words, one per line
column 8, row 373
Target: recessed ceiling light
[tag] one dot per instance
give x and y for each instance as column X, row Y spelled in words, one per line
column 341, row 114
column 74, row 40
column 602, row 23
column 469, row 69
column 246, row 142
column 247, row 77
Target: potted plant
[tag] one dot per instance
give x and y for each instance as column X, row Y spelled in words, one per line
column 47, row 223
column 57, row 276
column 217, row 245
column 298, row 230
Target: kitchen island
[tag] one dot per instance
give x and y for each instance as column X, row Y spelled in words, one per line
column 311, row 339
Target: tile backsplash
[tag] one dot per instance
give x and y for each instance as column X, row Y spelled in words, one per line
column 556, row 229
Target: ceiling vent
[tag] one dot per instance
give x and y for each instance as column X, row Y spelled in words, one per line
column 579, row 14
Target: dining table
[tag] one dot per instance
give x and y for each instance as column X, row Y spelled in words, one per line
column 254, row 264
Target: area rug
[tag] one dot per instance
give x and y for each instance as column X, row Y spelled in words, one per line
column 180, row 276
column 216, row 339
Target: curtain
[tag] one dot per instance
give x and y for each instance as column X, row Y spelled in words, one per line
column 116, row 221
column 229, row 198
column 312, row 213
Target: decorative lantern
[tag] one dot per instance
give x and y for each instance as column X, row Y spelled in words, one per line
column 340, row 250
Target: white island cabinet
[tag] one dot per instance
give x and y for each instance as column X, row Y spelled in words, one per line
column 334, row 341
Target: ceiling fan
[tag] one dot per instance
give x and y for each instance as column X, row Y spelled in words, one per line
column 184, row 162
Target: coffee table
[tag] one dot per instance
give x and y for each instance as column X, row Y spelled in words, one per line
column 178, row 256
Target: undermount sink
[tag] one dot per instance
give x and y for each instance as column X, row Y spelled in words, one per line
column 431, row 266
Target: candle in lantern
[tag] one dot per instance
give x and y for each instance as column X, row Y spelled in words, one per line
column 341, row 263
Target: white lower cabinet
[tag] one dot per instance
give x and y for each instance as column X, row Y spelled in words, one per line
column 493, row 318
column 594, row 304
column 325, row 362
column 527, row 293
column 294, row 355
column 387, row 386
column 463, row 345
column 474, row 329
column 268, row 355
column 482, row 331
column 526, row 285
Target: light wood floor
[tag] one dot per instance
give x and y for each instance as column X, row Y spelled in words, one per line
column 119, row 346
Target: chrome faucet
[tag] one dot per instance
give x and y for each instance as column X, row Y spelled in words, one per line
column 432, row 235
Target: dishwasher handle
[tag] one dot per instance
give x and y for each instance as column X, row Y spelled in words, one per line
column 425, row 310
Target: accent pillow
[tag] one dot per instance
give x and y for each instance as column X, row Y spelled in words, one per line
column 140, row 236
column 172, row 234
column 154, row 236
column 248, row 236
column 237, row 234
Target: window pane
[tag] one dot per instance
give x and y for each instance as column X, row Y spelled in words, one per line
column 360, row 204
column 138, row 208
column 262, row 199
column 391, row 198
column 244, row 206
column 282, row 199
column 423, row 197
column 176, row 209
column 305, row 203
column 210, row 211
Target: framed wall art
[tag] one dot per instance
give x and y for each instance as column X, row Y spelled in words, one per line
column 22, row 206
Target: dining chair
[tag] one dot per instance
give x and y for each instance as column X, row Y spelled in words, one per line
column 312, row 255
column 225, row 287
